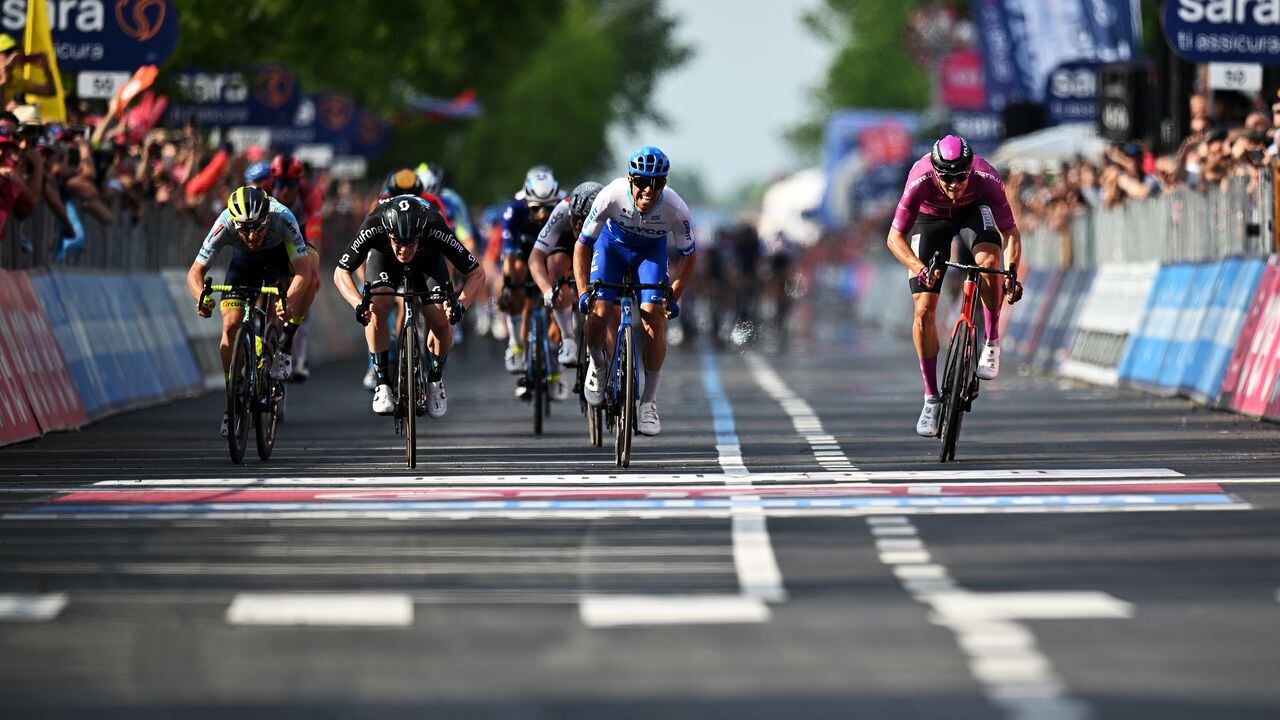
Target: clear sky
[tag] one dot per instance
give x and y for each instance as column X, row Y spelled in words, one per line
column 747, row 83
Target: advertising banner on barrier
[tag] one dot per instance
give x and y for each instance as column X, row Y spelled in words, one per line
column 50, row 390
column 1144, row 358
column 202, row 333
column 1060, row 327
column 1251, row 374
column 17, row 421
column 1110, row 313
column 74, row 344
column 1182, row 341
column 1220, row 328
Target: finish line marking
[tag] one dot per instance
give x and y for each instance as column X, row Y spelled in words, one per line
column 605, row 611
column 885, row 476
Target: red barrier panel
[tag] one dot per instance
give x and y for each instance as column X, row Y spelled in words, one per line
column 17, row 422
column 1250, row 382
column 50, row 390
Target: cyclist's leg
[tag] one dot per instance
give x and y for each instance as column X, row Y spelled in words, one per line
column 609, row 262
column 439, row 332
column 381, row 271
column 560, row 264
column 245, row 269
column 930, row 235
column 979, row 233
column 651, row 267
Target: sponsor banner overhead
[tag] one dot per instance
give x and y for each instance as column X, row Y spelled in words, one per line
column 961, row 81
column 1071, row 93
column 268, row 96
column 102, row 34
column 1241, row 31
column 865, row 157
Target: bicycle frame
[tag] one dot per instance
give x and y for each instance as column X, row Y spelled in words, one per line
column 254, row 323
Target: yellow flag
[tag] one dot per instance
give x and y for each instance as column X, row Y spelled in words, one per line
column 38, row 39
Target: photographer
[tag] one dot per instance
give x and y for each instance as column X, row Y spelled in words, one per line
column 13, row 88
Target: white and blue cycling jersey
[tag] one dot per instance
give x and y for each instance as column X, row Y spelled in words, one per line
column 625, row 239
column 614, row 214
column 456, row 208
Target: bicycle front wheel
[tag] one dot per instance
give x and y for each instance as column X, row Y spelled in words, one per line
column 408, row 392
column 239, row 395
column 955, row 381
column 624, row 429
column 537, row 378
column 267, row 406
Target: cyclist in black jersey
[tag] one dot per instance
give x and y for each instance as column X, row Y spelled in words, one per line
column 405, row 235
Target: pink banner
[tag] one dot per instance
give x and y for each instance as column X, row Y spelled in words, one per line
column 1250, row 383
column 17, row 421
column 961, row 81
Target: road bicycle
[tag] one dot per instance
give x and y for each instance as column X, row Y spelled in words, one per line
column 960, row 379
column 594, row 415
column 252, row 394
column 623, row 379
column 409, row 376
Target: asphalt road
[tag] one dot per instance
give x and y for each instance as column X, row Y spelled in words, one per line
column 786, row 548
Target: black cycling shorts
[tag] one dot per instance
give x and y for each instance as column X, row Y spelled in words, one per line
column 429, row 271
column 973, row 226
column 258, row 268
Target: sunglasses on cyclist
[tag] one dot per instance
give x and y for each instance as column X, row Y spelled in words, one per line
column 641, row 182
column 403, row 242
column 953, row 178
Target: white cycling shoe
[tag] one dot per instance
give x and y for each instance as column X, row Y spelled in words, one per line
column 437, row 403
column 226, row 424
column 930, row 416
column 648, row 423
column 593, row 388
column 558, row 390
column 989, row 362
column 514, row 358
column 281, row 367
column 370, row 380
column 568, row 353
column 383, row 403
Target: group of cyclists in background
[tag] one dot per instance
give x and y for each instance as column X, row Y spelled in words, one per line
column 562, row 249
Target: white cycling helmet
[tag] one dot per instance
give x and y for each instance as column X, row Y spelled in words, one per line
column 540, row 187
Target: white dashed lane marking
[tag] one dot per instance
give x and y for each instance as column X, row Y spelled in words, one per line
column 826, row 451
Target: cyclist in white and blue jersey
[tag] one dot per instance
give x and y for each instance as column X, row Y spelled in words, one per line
column 627, row 229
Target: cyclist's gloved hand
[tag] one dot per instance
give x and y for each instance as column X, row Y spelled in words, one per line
column 457, row 311
column 362, row 314
column 549, row 297
column 673, row 308
column 1013, row 291
column 925, row 278
column 584, row 302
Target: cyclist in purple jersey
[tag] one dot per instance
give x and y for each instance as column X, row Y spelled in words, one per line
column 952, row 195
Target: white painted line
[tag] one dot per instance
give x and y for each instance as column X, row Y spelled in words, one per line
column 604, row 611
column 825, row 449
column 1002, row 654
column 963, row 605
column 905, row 557
column 979, row 478
column 758, row 574
column 31, row 607
column 362, row 609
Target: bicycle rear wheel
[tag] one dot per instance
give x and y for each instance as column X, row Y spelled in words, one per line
column 239, row 396
column 267, row 406
column 624, row 429
column 955, row 382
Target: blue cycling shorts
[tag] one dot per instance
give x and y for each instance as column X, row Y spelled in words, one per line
column 610, row 261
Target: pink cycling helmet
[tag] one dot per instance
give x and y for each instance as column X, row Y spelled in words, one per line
column 951, row 156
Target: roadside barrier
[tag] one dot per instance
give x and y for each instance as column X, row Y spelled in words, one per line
column 1109, row 314
column 1060, row 323
column 202, row 334
column 38, row 363
column 1220, row 328
column 1250, row 385
column 17, row 420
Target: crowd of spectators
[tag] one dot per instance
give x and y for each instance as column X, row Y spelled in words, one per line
column 1214, row 154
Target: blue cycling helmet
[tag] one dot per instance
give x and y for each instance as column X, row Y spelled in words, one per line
column 256, row 172
column 649, row 161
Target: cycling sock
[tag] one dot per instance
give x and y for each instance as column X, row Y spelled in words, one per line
column 929, row 369
column 597, row 354
column 300, row 343
column 381, row 360
column 290, row 329
column 650, row 392
column 513, row 330
column 436, row 372
column 993, row 323
column 564, row 318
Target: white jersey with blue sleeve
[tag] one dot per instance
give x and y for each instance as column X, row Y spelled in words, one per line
column 614, row 214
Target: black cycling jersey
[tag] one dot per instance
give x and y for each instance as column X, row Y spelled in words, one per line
column 437, row 241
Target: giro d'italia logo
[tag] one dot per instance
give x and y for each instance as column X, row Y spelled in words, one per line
column 335, row 111
column 140, row 19
column 274, row 87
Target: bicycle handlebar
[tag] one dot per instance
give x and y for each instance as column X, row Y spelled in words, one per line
column 937, row 263
column 245, row 290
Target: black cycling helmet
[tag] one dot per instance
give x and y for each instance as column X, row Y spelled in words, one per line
column 951, row 156
column 403, row 181
column 405, row 218
column 582, row 197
